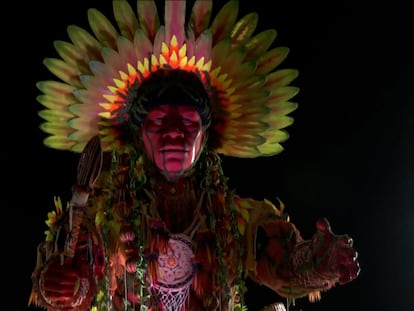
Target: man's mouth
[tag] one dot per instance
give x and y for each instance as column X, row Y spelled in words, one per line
column 174, row 149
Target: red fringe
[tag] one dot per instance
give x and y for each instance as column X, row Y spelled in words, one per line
column 198, row 282
column 205, row 250
column 160, row 237
column 152, row 268
column 219, row 201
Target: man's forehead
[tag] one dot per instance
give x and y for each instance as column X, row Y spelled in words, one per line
column 173, row 108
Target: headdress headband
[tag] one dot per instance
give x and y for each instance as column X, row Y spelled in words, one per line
column 250, row 99
column 176, row 87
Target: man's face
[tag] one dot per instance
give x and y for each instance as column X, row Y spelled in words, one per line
column 172, row 137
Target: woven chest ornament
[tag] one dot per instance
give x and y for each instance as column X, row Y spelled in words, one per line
column 175, row 273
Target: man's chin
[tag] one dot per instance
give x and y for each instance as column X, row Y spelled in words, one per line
column 174, row 170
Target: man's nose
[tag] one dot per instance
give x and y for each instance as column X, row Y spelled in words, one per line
column 173, row 132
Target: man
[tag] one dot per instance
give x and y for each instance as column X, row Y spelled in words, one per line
column 152, row 224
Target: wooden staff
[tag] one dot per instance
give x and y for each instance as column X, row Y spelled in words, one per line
column 89, row 167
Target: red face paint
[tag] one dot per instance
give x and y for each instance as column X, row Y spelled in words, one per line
column 172, row 136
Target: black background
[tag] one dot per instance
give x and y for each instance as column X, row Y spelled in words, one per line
column 349, row 157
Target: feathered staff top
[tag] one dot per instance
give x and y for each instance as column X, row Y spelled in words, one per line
column 99, row 71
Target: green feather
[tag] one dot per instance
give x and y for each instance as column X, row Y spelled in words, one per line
column 224, row 21
column 60, row 142
column 282, row 94
column 275, row 136
column 56, row 116
column 249, row 140
column 84, row 109
column 126, row 51
column 244, row 29
column 271, row 59
column 142, row 44
column 85, row 42
column 83, row 130
column 103, row 29
column 125, row 18
column 148, row 17
column 258, row 44
column 234, row 58
column 282, row 108
column 70, row 54
column 55, row 129
column 280, row 77
column 237, row 148
column 63, row 71
column 200, row 16
column 53, row 102
column 269, row 150
column 55, row 88
column 249, row 122
column 278, row 122
column 220, row 51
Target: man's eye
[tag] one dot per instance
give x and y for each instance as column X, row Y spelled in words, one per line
column 187, row 122
column 157, row 121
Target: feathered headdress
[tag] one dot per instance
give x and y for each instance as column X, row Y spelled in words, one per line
column 100, row 70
